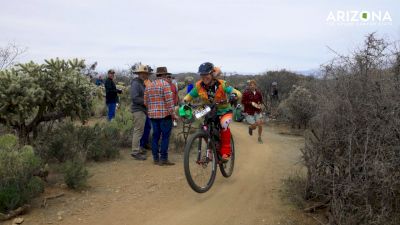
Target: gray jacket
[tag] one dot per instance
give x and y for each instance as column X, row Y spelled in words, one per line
column 137, row 95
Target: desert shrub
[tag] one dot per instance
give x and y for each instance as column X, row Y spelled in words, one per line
column 285, row 81
column 125, row 97
column 70, row 142
column 294, row 189
column 181, row 85
column 123, row 124
column 59, row 144
column 282, row 113
column 105, row 143
column 75, row 174
column 299, row 107
column 99, row 108
column 17, row 167
column 352, row 151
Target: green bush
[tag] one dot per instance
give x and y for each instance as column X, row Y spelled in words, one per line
column 105, row 143
column 125, row 97
column 17, row 166
column 99, row 108
column 123, row 123
column 70, row 142
column 75, row 174
column 59, row 144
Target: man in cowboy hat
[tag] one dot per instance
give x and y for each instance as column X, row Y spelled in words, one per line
column 158, row 98
column 139, row 109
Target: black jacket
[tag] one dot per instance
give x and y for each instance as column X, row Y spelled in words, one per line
column 111, row 91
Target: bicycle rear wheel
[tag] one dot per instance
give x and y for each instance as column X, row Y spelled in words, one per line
column 200, row 162
column 227, row 167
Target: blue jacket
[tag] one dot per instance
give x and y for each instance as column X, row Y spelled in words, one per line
column 189, row 88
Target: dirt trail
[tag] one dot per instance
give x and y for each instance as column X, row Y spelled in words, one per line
column 127, row 192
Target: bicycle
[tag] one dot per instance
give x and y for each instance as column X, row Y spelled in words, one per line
column 201, row 154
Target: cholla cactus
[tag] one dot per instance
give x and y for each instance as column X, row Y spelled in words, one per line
column 18, row 165
column 31, row 93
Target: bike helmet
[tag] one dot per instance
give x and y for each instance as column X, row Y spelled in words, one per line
column 206, row 68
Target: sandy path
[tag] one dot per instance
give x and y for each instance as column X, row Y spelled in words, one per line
column 127, row 192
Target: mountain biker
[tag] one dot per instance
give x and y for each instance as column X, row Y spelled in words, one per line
column 212, row 90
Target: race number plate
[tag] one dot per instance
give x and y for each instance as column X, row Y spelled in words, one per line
column 198, row 113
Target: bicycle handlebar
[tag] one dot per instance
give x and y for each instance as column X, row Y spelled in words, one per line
column 209, row 104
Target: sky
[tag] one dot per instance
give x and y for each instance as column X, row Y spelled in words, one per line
column 243, row 36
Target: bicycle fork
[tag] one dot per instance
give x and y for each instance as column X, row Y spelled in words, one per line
column 207, row 157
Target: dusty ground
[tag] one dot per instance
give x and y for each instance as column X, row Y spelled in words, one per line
column 127, row 192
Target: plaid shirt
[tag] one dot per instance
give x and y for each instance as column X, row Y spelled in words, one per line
column 158, row 99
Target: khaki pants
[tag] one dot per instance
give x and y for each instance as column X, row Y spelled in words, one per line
column 139, row 120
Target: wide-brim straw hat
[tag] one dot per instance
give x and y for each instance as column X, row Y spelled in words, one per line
column 142, row 69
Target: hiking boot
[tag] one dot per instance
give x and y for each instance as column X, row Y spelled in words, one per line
column 250, row 131
column 138, row 156
column 166, row 163
column 260, row 140
column 156, row 162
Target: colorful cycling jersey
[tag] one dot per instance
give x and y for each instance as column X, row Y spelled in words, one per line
column 215, row 93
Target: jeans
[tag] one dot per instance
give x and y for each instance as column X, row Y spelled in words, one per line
column 146, row 133
column 161, row 128
column 111, row 110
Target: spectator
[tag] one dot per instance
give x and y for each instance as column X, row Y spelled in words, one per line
column 173, row 89
column 189, row 86
column 158, row 98
column 251, row 101
column 175, row 83
column 139, row 111
column 274, row 91
column 99, row 81
column 111, row 94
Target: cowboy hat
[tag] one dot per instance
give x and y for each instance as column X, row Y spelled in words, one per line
column 162, row 70
column 141, row 69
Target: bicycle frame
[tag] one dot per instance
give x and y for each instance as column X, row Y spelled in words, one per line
column 210, row 125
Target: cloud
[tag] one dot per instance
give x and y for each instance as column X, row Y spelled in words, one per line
column 239, row 35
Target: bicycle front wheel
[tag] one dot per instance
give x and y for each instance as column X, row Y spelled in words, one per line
column 200, row 162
